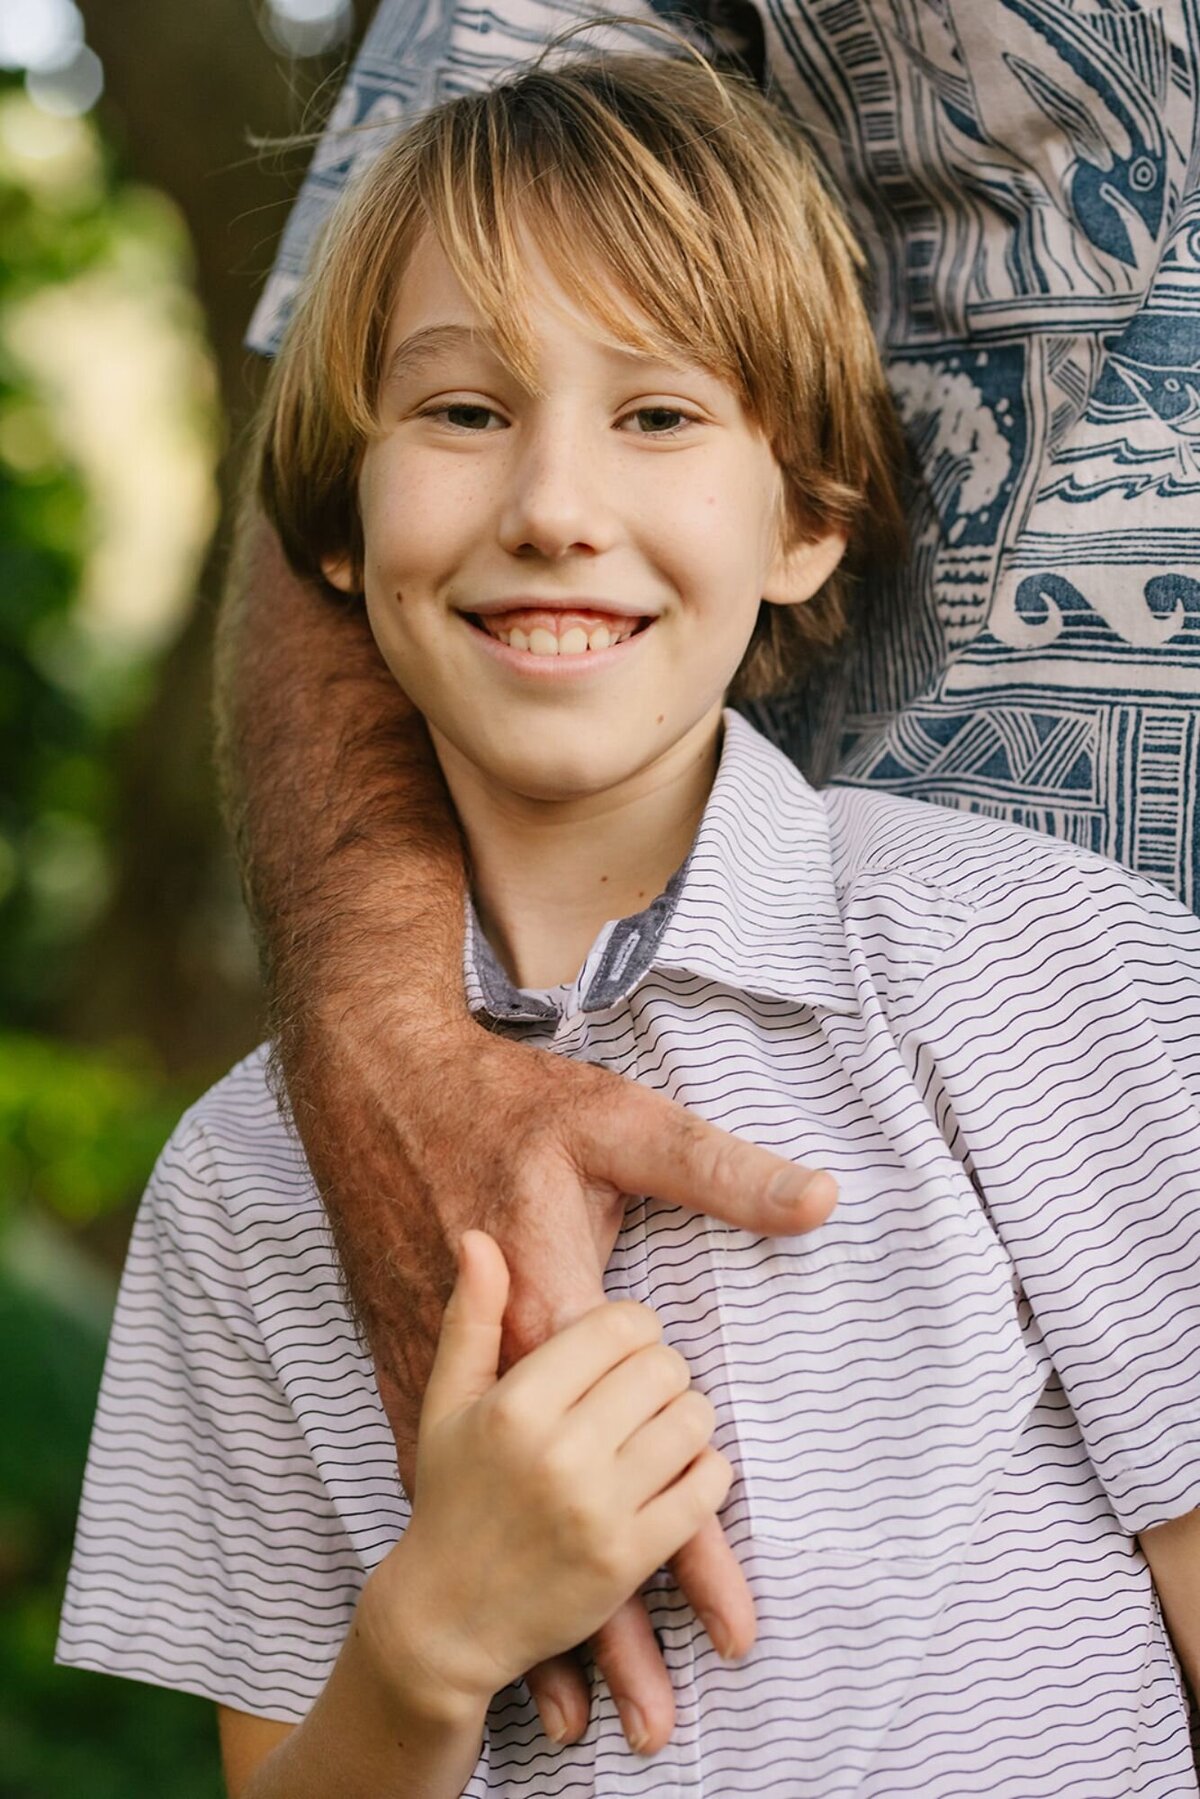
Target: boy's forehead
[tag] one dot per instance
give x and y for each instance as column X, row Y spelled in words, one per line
column 434, row 317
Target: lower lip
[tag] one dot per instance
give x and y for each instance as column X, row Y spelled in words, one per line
column 557, row 668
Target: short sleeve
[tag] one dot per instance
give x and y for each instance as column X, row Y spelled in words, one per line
column 415, row 55
column 1060, row 1039
column 208, row 1554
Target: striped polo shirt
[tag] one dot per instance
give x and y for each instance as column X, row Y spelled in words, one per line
column 949, row 1409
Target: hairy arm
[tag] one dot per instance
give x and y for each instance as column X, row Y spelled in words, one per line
column 418, row 1124
column 354, row 875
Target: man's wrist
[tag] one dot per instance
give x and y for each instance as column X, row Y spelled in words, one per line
column 360, row 1017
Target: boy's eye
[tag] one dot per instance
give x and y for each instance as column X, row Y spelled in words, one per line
column 462, row 418
column 659, row 421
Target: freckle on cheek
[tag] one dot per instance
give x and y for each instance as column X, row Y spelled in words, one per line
column 659, row 719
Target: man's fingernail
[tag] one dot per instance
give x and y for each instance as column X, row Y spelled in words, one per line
column 714, row 1629
column 633, row 1724
column 793, row 1185
column 554, row 1721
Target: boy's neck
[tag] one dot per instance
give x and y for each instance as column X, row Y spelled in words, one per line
column 547, row 875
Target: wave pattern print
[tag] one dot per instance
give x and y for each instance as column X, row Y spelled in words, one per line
column 1025, row 176
column 949, row 1410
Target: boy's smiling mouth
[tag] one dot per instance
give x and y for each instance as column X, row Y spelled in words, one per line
column 559, row 631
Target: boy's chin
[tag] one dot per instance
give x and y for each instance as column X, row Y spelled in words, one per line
column 564, row 784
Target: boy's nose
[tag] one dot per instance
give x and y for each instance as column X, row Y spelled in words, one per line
column 555, row 502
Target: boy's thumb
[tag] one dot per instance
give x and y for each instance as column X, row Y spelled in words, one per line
column 468, row 1353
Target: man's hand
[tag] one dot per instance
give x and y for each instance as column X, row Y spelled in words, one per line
column 426, row 1135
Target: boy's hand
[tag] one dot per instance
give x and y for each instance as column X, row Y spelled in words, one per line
column 544, row 1498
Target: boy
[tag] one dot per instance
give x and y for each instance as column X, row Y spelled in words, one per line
column 583, row 401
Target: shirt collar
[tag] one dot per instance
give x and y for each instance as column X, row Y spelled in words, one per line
column 754, row 907
column 759, row 907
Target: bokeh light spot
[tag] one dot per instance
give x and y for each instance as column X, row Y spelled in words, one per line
column 39, row 34
column 70, row 88
column 308, row 27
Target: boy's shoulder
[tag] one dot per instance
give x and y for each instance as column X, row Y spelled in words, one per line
column 878, row 838
column 232, row 1211
column 967, row 859
column 237, row 1142
column 245, row 1103
column 909, row 885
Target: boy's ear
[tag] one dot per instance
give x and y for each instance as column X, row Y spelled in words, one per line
column 339, row 572
column 797, row 574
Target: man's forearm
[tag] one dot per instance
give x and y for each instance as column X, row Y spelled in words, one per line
column 354, row 872
column 342, row 821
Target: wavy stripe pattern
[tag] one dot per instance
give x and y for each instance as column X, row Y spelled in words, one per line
column 950, row 1409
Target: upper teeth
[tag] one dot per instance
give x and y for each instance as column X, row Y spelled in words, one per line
column 575, row 641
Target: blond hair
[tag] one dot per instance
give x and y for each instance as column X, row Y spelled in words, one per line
column 720, row 239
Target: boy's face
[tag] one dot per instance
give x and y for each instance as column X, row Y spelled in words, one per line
column 635, row 503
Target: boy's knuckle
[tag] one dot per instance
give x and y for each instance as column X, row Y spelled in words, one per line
column 629, row 1324
column 681, row 1373
column 718, row 1475
column 504, row 1418
column 559, row 1469
column 719, row 1158
column 697, row 1142
column 699, row 1413
column 604, row 1558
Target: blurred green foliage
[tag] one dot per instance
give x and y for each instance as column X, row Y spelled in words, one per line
column 79, row 1128
column 58, row 709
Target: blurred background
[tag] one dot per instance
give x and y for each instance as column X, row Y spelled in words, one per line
column 137, row 222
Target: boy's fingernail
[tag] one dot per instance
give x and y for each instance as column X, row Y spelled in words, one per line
column 714, row 1629
column 554, row 1721
column 633, row 1724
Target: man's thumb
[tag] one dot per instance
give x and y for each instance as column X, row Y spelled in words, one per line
column 468, row 1352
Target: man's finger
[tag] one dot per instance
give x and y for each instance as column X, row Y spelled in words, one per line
column 630, row 1660
column 560, row 1691
column 643, row 1143
column 711, row 1577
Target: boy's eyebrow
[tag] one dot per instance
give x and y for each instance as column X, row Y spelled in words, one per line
column 422, row 346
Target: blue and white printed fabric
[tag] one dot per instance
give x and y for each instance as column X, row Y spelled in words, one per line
column 1026, row 176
